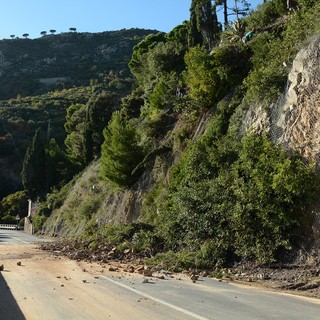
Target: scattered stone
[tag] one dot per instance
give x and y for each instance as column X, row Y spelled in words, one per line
column 19, row 263
column 140, row 270
column 309, row 286
column 2, row 267
column 147, row 272
column 145, row 281
column 194, row 277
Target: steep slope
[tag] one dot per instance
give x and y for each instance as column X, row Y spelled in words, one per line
column 41, row 78
column 29, row 67
column 91, row 202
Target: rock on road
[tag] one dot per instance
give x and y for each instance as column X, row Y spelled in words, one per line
column 39, row 285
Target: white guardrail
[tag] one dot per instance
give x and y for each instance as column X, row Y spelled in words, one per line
column 10, row 227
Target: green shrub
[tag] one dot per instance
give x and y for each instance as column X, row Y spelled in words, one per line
column 38, row 222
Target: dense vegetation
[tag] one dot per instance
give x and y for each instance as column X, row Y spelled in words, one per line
column 225, row 196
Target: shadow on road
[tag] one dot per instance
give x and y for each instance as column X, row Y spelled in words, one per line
column 9, row 309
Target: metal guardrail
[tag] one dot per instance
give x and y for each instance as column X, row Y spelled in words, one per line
column 10, row 227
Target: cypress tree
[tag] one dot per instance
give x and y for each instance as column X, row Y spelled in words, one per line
column 34, row 177
column 98, row 113
column 204, row 27
column 194, row 34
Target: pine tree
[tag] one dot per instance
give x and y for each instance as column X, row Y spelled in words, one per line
column 120, row 153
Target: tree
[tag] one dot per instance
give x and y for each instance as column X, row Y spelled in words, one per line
column 241, row 7
column 203, row 78
column 120, row 153
column 139, row 51
column 204, row 25
column 179, row 34
column 25, row 35
column 75, row 126
column 98, row 113
column 13, row 205
column 194, row 34
column 34, row 177
column 59, row 168
column 73, row 29
column 52, row 31
column 43, row 33
column 12, row 36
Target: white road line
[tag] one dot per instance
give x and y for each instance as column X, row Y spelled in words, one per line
column 20, row 240
column 186, row 312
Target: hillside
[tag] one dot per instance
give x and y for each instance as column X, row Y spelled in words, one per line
column 34, row 66
column 210, row 161
column 41, row 78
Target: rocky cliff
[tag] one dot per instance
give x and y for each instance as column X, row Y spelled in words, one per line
column 294, row 121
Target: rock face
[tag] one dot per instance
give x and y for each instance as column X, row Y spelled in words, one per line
column 299, row 116
column 294, row 121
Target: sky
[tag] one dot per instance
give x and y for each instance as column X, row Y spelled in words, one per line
column 34, row 16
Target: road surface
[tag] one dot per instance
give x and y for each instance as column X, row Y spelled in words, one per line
column 38, row 285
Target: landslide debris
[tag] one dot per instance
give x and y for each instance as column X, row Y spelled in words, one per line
column 297, row 278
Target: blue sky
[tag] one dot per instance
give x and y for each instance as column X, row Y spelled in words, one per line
column 33, row 16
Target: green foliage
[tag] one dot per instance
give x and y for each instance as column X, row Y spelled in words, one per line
column 34, row 177
column 139, row 51
column 163, row 92
column 174, row 261
column 271, row 192
column 47, row 58
column 251, row 207
column 59, row 168
column 306, row 4
column 38, row 222
column 162, row 60
column 210, row 77
column 272, row 51
column 89, row 207
column 179, row 34
column 266, row 14
column 138, row 237
column 202, row 78
column 206, row 22
column 75, row 127
column 13, row 205
column 120, row 152
column 98, row 113
column 133, row 102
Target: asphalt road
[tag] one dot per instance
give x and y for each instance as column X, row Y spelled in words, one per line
column 47, row 287
column 10, row 237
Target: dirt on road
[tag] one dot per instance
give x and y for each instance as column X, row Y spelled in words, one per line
column 57, row 283
column 300, row 279
column 35, row 284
